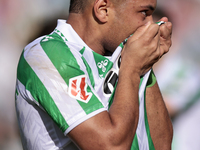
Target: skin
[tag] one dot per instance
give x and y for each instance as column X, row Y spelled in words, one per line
column 108, row 25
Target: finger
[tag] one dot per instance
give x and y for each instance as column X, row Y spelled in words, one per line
column 139, row 32
column 165, row 44
column 167, row 23
column 165, row 19
column 169, row 26
column 151, row 33
column 151, row 39
column 166, row 30
column 164, row 48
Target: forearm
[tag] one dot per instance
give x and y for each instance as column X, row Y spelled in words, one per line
column 158, row 118
column 124, row 112
column 114, row 129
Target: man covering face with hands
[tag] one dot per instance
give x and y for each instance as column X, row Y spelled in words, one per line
column 90, row 85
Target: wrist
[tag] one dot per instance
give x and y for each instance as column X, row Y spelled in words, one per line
column 130, row 76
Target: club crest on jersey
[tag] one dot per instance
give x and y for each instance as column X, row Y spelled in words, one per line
column 78, row 89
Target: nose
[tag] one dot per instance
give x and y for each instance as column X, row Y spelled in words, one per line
column 150, row 18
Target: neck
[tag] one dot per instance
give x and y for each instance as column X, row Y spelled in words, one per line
column 88, row 30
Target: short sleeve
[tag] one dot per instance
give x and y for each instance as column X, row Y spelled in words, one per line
column 53, row 78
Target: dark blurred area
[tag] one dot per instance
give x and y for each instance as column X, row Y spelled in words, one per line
column 178, row 73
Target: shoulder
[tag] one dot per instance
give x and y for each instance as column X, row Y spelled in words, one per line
column 53, row 46
column 53, row 42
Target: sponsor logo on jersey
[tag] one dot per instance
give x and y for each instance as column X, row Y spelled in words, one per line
column 111, row 79
column 78, row 89
column 109, row 82
column 102, row 65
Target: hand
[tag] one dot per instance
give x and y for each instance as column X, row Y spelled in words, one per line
column 165, row 36
column 142, row 49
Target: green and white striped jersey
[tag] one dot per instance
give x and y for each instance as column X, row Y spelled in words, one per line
column 61, row 83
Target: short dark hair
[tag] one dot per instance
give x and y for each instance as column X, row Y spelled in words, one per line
column 77, row 6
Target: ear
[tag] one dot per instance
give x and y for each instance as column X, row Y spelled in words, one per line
column 101, row 10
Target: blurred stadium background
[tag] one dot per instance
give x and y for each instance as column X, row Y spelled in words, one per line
column 178, row 73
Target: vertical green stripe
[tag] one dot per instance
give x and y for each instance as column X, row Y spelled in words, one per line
column 92, row 105
column 121, row 45
column 82, row 51
column 30, row 80
column 112, row 96
column 135, row 145
column 16, row 92
column 67, row 66
column 89, row 72
column 62, row 58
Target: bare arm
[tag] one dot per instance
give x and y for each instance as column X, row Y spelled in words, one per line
column 116, row 129
column 159, row 121
column 160, row 124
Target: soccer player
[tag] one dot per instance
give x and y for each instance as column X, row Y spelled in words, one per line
column 90, row 85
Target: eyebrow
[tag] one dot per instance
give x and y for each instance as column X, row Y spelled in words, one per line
column 149, row 7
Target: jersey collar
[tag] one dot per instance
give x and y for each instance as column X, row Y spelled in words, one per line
column 70, row 34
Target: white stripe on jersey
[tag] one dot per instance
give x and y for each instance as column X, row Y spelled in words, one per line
column 26, row 94
column 56, row 88
column 141, row 129
column 88, row 55
column 35, row 135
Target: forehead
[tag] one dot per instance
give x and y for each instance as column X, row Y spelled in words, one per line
column 140, row 3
